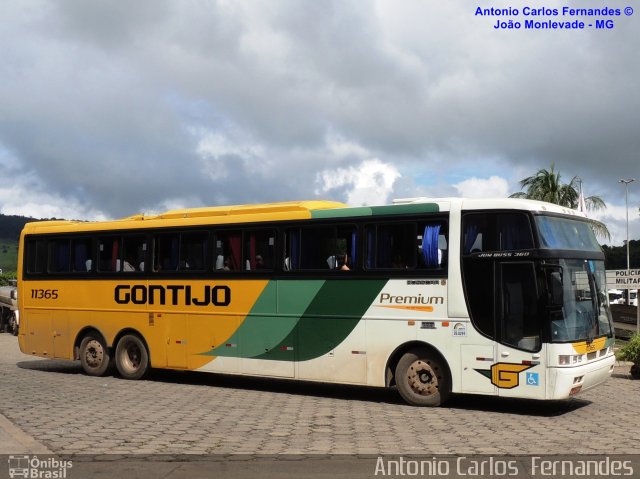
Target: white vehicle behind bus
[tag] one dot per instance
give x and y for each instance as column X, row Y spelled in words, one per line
column 9, row 315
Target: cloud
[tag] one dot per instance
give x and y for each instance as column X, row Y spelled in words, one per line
column 368, row 183
column 42, row 204
column 126, row 109
column 215, row 149
column 493, row 187
column 615, row 217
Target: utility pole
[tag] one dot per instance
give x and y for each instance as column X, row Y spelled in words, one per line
column 626, row 203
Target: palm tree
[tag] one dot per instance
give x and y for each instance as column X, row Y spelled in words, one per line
column 546, row 185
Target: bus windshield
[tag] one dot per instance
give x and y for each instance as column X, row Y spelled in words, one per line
column 586, row 313
column 565, row 233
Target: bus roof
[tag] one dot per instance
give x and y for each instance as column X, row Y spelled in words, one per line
column 495, row 204
column 292, row 210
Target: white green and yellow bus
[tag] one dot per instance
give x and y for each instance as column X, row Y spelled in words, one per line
column 433, row 296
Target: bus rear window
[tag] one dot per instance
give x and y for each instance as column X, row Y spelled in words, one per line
column 36, row 256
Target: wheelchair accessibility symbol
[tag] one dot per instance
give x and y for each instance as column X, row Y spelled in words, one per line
column 533, row 379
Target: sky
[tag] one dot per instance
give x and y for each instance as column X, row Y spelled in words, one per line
column 109, row 109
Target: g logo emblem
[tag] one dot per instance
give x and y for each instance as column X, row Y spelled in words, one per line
column 507, row 375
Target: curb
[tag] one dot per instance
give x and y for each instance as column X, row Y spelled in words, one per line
column 14, row 440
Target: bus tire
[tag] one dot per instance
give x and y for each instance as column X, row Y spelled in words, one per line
column 95, row 356
column 132, row 357
column 422, row 378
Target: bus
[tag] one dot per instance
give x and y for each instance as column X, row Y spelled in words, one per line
column 502, row 297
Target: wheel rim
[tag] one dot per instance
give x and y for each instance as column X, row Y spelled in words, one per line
column 422, row 377
column 131, row 357
column 94, row 354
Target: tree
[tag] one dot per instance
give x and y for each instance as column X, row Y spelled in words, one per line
column 546, row 185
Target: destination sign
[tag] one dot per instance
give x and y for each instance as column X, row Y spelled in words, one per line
column 623, row 278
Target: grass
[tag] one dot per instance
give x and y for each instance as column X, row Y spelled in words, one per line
column 8, row 255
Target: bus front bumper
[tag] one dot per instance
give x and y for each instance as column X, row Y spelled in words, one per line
column 570, row 381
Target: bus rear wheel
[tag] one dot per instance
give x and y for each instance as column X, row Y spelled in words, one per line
column 94, row 355
column 132, row 358
column 422, row 379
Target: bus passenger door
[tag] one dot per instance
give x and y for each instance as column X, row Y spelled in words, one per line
column 520, row 368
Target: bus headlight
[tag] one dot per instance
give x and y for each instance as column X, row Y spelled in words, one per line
column 569, row 359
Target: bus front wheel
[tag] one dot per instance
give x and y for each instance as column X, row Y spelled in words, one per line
column 94, row 355
column 132, row 358
column 422, row 379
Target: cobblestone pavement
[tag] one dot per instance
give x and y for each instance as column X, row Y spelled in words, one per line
column 175, row 413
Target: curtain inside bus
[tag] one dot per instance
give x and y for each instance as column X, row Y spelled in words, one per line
column 236, row 251
column 430, row 246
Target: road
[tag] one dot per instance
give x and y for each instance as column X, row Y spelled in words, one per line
column 176, row 413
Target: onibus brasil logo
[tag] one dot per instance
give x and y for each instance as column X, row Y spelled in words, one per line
column 36, row 468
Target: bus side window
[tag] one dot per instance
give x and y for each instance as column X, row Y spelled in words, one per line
column 228, row 251
column 514, row 231
column 316, row 248
column 496, row 232
column 81, row 250
column 134, row 251
column 193, row 251
column 292, row 250
column 391, row 246
column 432, row 249
column 475, row 229
column 259, row 250
column 166, row 252
column 109, row 253
column 321, row 248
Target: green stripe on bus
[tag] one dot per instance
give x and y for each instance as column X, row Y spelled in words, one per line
column 313, row 318
column 414, row 208
column 264, row 328
column 329, row 319
column 409, row 209
column 341, row 213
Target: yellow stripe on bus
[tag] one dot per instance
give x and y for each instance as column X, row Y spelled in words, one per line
column 596, row 345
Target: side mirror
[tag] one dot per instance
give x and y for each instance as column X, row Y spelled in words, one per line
column 556, row 291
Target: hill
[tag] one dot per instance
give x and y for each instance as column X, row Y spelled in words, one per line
column 616, row 256
column 8, row 255
column 10, row 228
